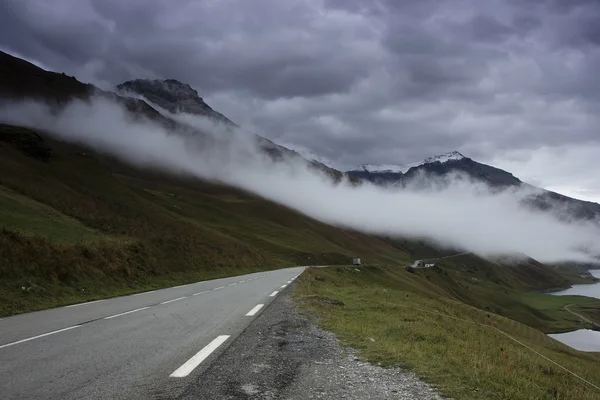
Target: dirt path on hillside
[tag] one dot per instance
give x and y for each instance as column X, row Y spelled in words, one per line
column 579, row 315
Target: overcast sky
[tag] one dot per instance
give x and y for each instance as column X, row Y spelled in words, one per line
column 513, row 83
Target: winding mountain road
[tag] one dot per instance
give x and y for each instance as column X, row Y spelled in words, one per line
column 147, row 345
column 580, row 316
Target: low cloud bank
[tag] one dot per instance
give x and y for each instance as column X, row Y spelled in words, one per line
column 464, row 215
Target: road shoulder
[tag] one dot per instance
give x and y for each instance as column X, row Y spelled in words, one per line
column 283, row 355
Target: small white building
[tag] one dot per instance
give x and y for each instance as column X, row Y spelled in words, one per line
column 356, row 261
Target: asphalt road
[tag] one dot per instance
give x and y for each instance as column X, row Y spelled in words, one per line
column 150, row 345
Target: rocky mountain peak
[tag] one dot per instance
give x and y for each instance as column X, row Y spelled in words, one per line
column 173, row 96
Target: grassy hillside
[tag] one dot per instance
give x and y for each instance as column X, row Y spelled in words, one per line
column 78, row 225
column 507, row 289
column 427, row 322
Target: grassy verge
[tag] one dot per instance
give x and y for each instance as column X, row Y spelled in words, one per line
column 397, row 318
column 38, row 273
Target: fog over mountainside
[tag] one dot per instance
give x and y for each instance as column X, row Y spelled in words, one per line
column 449, row 206
column 438, row 168
column 466, row 214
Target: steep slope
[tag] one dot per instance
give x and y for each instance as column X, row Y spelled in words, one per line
column 177, row 97
column 75, row 224
column 20, row 79
column 173, row 96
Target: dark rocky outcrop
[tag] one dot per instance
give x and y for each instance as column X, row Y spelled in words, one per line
column 173, row 96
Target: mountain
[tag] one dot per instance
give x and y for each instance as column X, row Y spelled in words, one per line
column 402, row 169
column 443, row 165
column 177, row 97
column 173, row 96
column 20, row 79
column 436, row 166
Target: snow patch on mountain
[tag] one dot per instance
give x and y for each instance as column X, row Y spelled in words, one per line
column 402, row 169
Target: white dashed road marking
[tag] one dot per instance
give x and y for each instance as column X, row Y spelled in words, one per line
column 199, row 293
column 193, row 362
column 283, row 286
column 170, row 301
column 39, row 336
column 274, row 293
column 254, row 310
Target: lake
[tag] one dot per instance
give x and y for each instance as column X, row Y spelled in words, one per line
column 592, row 290
column 582, row 339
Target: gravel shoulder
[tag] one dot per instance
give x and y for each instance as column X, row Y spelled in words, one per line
column 283, row 355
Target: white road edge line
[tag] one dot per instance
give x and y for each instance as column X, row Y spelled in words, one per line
column 274, row 293
column 200, row 356
column 39, row 336
column 139, row 294
column 199, row 293
column 125, row 313
column 170, row 301
column 283, row 286
column 232, row 284
column 253, row 312
column 81, row 304
column 219, row 288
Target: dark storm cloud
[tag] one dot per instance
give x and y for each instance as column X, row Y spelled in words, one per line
column 379, row 81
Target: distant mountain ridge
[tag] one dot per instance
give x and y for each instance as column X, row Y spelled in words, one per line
column 453, row 162
column 394, row 169
column 435, row 166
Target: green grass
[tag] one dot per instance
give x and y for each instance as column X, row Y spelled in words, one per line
column 25, row 215
column 397, row 318
column 508, row 290
column 556, row 307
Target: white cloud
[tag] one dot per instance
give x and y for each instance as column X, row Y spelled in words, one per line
column 573, row 170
